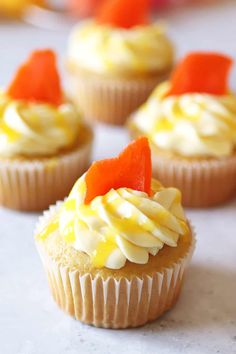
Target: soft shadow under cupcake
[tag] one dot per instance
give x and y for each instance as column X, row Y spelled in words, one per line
column 207, row 301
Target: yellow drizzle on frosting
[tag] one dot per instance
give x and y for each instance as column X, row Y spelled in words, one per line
column 49, row 229
column 11, row 134
column 103, row 251
column 121, row 225
column 33, row 129
column 190, row 124
column 104, row 49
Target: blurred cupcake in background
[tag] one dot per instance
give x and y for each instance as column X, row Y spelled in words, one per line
column 85, row 8
column 190, row 121
column 44, row 145
column 14, row 8
column 115, row 60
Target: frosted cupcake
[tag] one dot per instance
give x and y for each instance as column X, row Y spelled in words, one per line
column 44, row 145
column 191, row 124
column 116, row 60
column 116, row 250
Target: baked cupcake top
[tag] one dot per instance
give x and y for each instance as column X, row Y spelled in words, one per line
column 121, row 40
column 193, row 114
column 35, row 118
column 116, row 212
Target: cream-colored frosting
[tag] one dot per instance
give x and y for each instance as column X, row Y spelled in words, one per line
column 104, row 49
column 33, row 129
column 190, row 125
column 122, row 225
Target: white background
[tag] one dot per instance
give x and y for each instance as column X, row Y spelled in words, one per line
column 204, row 319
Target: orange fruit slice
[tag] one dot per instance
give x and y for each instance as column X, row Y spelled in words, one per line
column 37, row 79
column 131, row 169
column 201, row 72
column 123, row 13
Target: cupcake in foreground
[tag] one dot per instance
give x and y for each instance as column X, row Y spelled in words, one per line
column 116, row 60
column 191, row 124
column 115, row 251
column 44, row 145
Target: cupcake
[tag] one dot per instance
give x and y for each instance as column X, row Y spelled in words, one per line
column 116, row 249
column 116, row 60
column 190, row 121
column 44, row 145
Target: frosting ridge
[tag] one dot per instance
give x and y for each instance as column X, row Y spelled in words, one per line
column 189, row 124
column 123, row 224
column 104, row 49
column 34, row 129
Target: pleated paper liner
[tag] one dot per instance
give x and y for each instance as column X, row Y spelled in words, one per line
column 110, row 100
column 112, row 302
column 204, row 182
column 34, row 184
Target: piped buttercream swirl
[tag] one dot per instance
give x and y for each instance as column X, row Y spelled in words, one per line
column 123, row 224
column 33, row 129
column 190, row 125
column 109, row 50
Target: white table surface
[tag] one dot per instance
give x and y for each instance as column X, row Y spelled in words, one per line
column 204, row 319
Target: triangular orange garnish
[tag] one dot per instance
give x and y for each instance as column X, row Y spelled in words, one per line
column 124, row 13
column 131, row 169
column 201, row 72
column 37, row 79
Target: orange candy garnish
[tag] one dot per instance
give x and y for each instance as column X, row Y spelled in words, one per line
column 37, row 79
column 131, row 169
column 201, row 72
column 124, row 13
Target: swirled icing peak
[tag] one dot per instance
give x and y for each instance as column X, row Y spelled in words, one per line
column 121, row 223
column 191, row 125
column 36, row 129
column 35, row 119
column 107, row 50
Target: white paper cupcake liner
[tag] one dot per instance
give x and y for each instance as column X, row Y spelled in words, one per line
column 112, row 302
column 110, row 100
column 203, row 182
column 33, row 185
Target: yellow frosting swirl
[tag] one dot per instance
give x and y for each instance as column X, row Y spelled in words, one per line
column 33, row 129
column 191, row 125
column 104, row 49
column 123, row 224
